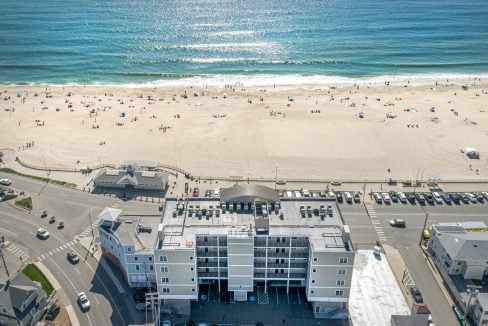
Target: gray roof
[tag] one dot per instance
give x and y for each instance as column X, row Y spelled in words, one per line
column 131, row 177
column 249, row 193
column 142, row 163
column 472, row 246
column 12, row 298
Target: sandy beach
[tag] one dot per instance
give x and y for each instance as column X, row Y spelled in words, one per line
column 301, row 132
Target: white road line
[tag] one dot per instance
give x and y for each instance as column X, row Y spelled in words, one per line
column 5, row 230
column 58, row 250
column 24, row 257
column 42, row 257
column 32, row 233
column 95, row 297
column 71, row 243
column 65, row 247
column 50, row 253
column 76, row 269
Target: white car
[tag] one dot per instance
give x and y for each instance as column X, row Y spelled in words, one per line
column 378, row 198
column 216, row 193
column 298, row 194
column 5, row 182
column 386, row 197
column 437, row 197
column 83, row 301
column 43, row 234
column 288, row 194
column 331, row 195
column 348, row 197
column 485, row 194
column 471, row 197
column 402, row 197
column 305, row 193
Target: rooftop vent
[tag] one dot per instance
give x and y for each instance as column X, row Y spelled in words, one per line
column 141, row 228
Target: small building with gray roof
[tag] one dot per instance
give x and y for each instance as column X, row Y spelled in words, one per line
column 132, row 177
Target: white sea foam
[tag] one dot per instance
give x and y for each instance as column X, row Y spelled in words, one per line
column 231, row 33
column 284, row 80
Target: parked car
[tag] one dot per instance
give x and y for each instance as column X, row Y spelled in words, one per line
column 479, row 197
column 72, row 257
column 208, row 193
column 471, row 197
column 447, row 198
column 463, row 197
column 386, row 197
column 437, row 197
column 338, row 196
column 357, row 198
column 5, row 182
column 323, row 193
column 394, row 196
column 83, row 301
column 288, row 194
column 331, row 195
column 485, row 194
column 196, row 192
column 143, row 306
column 216, row 193
column 420, row 198
column 411, row 197
column 42, row 234
column 305, row 193
column 456, row 199
column 429, row 198
column 398, row 222
column 348, row 197
column 378, row 198
column 52, row 312
column 402, row 197
column 297, row 194
column 166, row 323
column 417, row 296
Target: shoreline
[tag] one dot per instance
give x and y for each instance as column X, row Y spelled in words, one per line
column 289, row 80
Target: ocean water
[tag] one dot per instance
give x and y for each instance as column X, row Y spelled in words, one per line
column 262, row 42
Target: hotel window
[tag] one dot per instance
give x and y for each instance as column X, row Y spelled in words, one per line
column 137, row 267
column 341, row 271
column 151, row 267
column 343, row 260
column 165, row 290
column 136, row 258
column 312, row 292
column 192, row 290
column 314, row 270
column 339, row 293
column 340, row 282
column 164, row 280
column 315, row 259
column 129, row 249
column 150, row 258
column 191, row 257
column 163, row 269
column 163, row 258
column 313, row 281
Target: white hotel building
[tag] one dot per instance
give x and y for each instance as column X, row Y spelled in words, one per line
column 245, row 241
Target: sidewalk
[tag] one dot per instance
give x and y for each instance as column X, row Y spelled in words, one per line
column 399, row 268
column 62, row 295
column 86, row 242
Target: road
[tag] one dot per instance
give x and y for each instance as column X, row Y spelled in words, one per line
column 365, row 231
column 108, row 306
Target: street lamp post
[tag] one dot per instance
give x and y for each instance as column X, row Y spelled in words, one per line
column 425, row 225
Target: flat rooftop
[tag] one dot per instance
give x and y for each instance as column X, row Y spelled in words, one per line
column 316, row 218
column 141, row 231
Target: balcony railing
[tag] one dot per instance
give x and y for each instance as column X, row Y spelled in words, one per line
column 282, row 276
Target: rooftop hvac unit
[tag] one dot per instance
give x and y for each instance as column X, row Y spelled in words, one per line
column 141, row 228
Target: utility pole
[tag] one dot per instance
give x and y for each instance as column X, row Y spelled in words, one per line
column 2, row 240
column 425, row 225
column 93, row 233
column 472, row 293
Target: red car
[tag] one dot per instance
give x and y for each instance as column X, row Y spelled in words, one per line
column 196, row 192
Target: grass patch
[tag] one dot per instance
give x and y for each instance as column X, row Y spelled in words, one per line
column 25, row 203
column 35, row 274
column 56, row 182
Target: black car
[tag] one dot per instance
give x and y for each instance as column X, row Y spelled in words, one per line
column 479, row 197
column 357, row 198
column 417, row 296
column 420, row 198
column 456, row 199
column 464, row 198
column 52, row 312
column 339, row 197
column 72, row 257
column 429, row 198
column 410, row 197
column 208, row 193
column 394, row 196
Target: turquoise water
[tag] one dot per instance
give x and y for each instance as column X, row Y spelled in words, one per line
column 173, row 41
